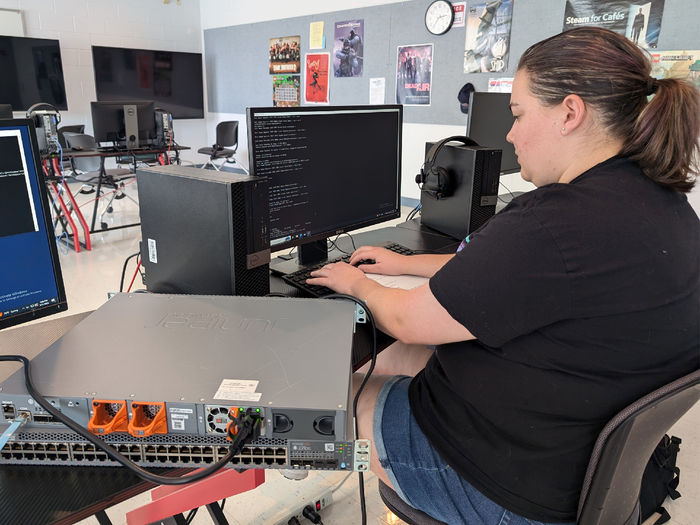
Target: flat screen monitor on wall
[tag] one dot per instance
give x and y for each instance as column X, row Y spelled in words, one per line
column 31, row 285
column 488, row 123
column 331, row 170
column 32, row 72
column 173, row 80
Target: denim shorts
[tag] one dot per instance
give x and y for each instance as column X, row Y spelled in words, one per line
column 419, row 475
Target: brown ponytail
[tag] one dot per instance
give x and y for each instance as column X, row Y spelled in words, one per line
column 611, row 74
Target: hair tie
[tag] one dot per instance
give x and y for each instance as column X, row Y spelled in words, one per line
column 652, row 85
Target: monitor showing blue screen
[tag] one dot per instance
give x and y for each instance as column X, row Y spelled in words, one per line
column 31, row 285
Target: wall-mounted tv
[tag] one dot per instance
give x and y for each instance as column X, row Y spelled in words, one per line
column 172, row 79
column 32, row 72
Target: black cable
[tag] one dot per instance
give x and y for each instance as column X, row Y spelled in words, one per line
column 511, row 194
column 191, row 515
column 373, row 362
column 247, row 428
column 121, row 282
column 413, row 212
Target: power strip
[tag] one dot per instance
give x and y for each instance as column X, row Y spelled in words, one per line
column 318, row 504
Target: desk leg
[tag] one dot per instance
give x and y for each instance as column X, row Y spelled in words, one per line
column 99, row 189
column 217, row 514
column 76, row 208
column 102, row 518
column 68, row 218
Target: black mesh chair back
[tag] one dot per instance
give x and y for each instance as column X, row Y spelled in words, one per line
column 77, row 128
column 226, row 144
column 227, row 134
column 79, row 142
column 612, row 483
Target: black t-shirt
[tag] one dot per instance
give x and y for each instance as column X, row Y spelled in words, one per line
column 583, row 297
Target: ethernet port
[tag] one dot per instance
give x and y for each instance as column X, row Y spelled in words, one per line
column 196, row 450
column 280, row 461
column 196, row 459
column 257, row 451
column 39, row 446
column 162, row 449
column 163, row 459
column 90, row 448
column 150, row 458
column 123, row 449
column 184, row 449
column 245, row 461
column 7, row 455
column 62, row 447
column 52, row 447
column 269, row 461
column 16, row 446
column 40, row 456
column 280, row 452
column 78, row 457
column 184, row 459
column 62, row 456
column 89, row 457
column 28, row 455
column 27, row 446
column 223, row 451
column 76, row 447
column 236, row 460
column 135, row 449
column 258, row 460
column 8, row 410
column 207, row 450
column 150, row 449
column 101, row 456
column 208, row 459
column 269, row 452
column 173, row 449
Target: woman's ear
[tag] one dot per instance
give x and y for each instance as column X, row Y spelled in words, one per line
column 574, row 113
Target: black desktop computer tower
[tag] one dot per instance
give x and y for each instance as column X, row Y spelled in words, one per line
column 204, row 232
column 475, row 174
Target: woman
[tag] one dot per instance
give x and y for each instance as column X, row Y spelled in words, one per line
column 578, row 298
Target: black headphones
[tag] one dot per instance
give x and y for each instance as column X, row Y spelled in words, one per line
column 435, row 180
column 45, row 106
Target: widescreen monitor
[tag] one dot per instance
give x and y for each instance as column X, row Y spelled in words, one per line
column 173, row 79
column 32, row 72
column 488, row 123
column 31, row 285
column 117, row 124
column 331, row 169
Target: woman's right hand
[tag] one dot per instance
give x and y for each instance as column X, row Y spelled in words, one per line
column 386, row 262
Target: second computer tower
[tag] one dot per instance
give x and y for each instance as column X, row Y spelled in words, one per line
column 475, row 173
column 204, row 232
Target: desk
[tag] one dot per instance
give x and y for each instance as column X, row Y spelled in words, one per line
column 53, row 174
column 57, row 494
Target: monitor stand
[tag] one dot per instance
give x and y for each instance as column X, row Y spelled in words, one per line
column 309, row 254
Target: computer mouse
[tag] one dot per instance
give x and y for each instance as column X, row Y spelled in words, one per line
column 365, row 261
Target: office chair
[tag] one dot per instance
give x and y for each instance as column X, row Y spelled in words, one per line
column 226, row 135
column 613, row 480
column 88, row 171
column 77, row 128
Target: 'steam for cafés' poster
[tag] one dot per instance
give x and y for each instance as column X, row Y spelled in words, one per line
column 285, row 55
column 348, row 48
column 638, row 21
column 414, row 71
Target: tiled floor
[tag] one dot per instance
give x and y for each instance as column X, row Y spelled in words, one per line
column 90, row 276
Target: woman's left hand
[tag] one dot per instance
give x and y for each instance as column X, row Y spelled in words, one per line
column 340, row 277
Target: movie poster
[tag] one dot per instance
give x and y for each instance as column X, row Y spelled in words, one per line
column 285, row 91
column 284, row 55
column 414, row 72
column 348, row 54
column 487, row 46
column 316, row 68
column 638, row 21
column 677, row 64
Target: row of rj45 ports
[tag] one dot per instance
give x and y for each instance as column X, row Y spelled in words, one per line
column 162, row 454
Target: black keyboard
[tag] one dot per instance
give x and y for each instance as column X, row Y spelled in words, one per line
column 298, row 278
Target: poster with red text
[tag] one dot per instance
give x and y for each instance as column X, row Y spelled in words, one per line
column 316, row 86
column 414, row 73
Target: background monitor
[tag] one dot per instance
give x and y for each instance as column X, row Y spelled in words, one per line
column 32, row 72
column 31, row 285
column 488, row 123
column 110, row 125
column 331, row 170
column 172, row 79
